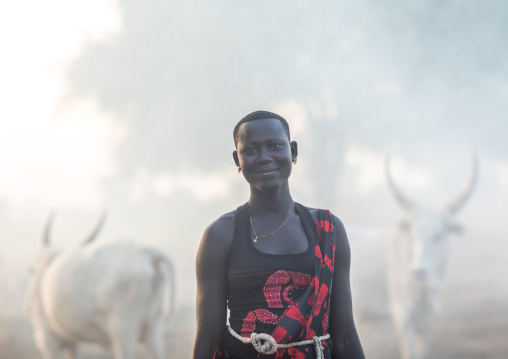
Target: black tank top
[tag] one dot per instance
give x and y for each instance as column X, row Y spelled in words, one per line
column 261, row 286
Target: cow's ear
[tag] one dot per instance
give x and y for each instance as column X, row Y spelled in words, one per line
column 404, row 225
column 456, row 228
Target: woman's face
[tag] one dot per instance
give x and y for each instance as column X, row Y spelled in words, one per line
column 264, row 154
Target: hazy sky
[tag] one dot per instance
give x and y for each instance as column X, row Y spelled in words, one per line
column 420, row 80
column 50, row 154
column 121, row 87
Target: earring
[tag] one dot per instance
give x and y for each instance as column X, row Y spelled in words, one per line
column 239, row 169
column 294, row 161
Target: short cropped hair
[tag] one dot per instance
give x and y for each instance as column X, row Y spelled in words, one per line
column 260, row 115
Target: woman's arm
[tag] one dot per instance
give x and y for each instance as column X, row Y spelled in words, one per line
column 346, row 344
column 211, row 274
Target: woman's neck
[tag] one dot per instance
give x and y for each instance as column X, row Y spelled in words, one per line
column 271, row 201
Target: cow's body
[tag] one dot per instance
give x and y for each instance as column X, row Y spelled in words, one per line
column 115, row 295
column 417, row 253
column 414, row 299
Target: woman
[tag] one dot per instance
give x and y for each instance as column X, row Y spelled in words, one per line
column 280, row 267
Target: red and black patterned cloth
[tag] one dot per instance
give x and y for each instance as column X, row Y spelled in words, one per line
column 307, row 317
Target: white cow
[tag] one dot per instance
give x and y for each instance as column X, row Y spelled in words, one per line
column 114, row 295
column 416, row 261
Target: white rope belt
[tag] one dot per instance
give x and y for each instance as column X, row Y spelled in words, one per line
column 270, row 346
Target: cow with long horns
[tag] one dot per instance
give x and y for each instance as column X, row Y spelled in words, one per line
column 416, row 260
column 115, row 295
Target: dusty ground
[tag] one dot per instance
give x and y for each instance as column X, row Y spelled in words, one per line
column 462, row 333
column 16, row 339
column 459, row 335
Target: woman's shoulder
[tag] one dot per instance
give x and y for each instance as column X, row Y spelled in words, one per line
column 336, row 220
column 314, row 212
column 213, row 251
column 221, row 231
column 222, row 225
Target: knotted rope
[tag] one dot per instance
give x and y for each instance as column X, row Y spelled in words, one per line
column 266, row 344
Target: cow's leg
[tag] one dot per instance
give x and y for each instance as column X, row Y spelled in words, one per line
column 50, row 345
column 414, row 345
column 71, row 351
column 405, row 346
column 154, row 341
column 123, row 349
column 123, row 338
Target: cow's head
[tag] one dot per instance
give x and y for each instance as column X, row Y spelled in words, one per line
column 428, row 230
column 47, row 253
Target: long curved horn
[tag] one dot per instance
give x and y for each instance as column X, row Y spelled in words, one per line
column 47, row 231
column 96, row 231
column 399, row 196
column 458, row 202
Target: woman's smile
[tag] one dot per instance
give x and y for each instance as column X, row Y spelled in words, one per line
column 266, row 171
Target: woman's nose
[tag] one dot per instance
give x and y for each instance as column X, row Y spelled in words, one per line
column 264, row 155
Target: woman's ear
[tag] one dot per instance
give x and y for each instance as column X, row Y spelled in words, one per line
column 294, row 149
column 235, row 157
